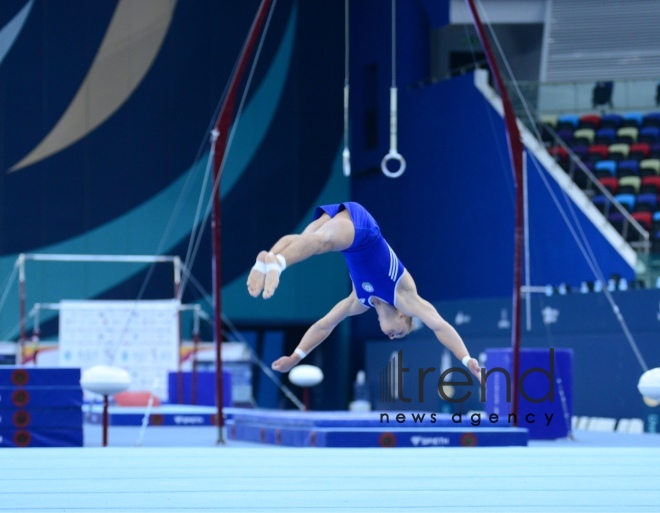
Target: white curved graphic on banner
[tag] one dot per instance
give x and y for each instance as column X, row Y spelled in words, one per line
column 9, row 33
column 128, row 50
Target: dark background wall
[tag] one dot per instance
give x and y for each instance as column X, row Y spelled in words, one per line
column 605, row 367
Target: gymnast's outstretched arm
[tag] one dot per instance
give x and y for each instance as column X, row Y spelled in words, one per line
column 320, row 330
column 410, row 303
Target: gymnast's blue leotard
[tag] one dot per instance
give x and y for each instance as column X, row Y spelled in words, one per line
column 373, row 266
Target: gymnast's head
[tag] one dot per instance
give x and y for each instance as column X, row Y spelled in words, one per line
column 398, row 325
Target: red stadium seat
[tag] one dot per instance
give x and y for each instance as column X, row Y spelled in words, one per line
column 643, row 218
column 610, row 183
column 589, row 121
column 597, row 152
column 650, row 184
column 558, row 152
column 639, row 151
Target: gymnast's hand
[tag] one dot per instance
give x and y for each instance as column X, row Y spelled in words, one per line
column 285, row 363
column 473, row 365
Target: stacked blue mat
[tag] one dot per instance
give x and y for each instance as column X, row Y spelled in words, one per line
column 368, row 429
column 40, row 407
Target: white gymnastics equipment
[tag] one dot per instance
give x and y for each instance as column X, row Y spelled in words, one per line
column 306, row 376
column 649, row 384
column 393, row 154
column 346, row 154
column 105, row 380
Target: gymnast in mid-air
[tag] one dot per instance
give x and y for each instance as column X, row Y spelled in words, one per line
column 380, row 281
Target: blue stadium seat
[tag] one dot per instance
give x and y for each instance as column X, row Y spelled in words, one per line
column 566, row 135
column 580, row 150
column 656, row 225
column 601, row 203
column 649, row 134
column 605, row 168
column 655, row 151
column 632, row 119
column 617, row 220
column 646, row 203
column 651, row 119
column 580, row 177
column 611, row 121
column 567, row 122
column 626, row 200
column 627, row 168
column 605, row 136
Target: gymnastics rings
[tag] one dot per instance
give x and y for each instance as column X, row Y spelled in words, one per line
column 393, row 154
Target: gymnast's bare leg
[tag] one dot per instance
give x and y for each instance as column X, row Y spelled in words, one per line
column 321, row 236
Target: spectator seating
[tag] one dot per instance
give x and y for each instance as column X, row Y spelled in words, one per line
column 623, row 152
column 584, row 136
column 589, row 121
column 605, row 168
column 610, row 183
column 649, row 134
column 627, row 135
column 627, row 168
column 629, row 184
column 632, row 119
column 618, row 151
column 605, row 136
column 650, row 184
column 651, row 119
column 649, row 167
column 611, row 121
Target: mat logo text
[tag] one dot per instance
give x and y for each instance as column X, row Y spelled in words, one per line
column 429, row 440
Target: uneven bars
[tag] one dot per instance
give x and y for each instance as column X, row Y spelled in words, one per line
column 98, row 258
column 71, row 257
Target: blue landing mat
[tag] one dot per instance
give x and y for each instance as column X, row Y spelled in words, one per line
column 349, row 429
column 41, row 417
column 59, row 377
column 376, row 437
column 41, row 397
column 352, row 419
column 41, row 437
column 164, row 415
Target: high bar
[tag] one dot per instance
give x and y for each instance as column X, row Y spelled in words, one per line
column 98, row 258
